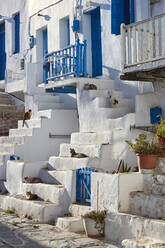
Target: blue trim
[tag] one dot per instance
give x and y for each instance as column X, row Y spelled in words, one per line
column 68, row 27
column 17, row 33
column 2, row 51
column 65, row 89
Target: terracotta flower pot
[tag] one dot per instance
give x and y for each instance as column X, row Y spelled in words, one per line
column 161, row 141
column 147, row 161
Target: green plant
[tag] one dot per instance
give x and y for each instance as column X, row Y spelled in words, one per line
column 124, row 167
column 145, row 147
column 35, row 226
column 10, row 211
column 161, row 129
column 99, row 218
column 136, row 169
column 14, row 223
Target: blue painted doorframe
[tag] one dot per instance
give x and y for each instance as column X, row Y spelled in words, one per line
column 96, row 42
column 45, row 50
column 2, row 51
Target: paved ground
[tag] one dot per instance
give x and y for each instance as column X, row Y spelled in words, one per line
column 16, row 232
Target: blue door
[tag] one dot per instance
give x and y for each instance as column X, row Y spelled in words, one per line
column 45, row 51
column 2, row 51
column 96, row 43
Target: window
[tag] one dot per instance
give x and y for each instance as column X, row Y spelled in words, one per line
column 122, row 11
column 64, row 32
column 16, row 33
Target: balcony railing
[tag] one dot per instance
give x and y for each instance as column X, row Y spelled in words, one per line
column 143, row 41
column 65, row 62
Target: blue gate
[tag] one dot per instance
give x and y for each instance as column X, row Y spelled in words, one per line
column 83, row 184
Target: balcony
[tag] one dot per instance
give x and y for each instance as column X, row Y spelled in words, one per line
column 66, row 63
column 143, row 49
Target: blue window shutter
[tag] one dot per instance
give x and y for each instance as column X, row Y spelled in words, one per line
column 132, row 11
column 17, row 33
column 117, row 7
column 120, row 13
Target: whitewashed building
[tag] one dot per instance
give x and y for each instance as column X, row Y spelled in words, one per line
column 53, row 51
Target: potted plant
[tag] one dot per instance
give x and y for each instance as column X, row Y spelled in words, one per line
column 147, row 151
column 94, row 223
column 160, row 132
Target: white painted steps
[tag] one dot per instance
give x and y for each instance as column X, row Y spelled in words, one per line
column 149, row 205
column 21, row 132
column 47, row 192
column 53, row 176
column 68, row 163
column 93, row 151
column 70, row 224
column 79, row 210
column 121, row 226
column 33, row 123
column 142, row 243
column 86, row 138
column 40, row 211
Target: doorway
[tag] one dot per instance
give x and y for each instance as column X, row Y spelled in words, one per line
column 96, row 42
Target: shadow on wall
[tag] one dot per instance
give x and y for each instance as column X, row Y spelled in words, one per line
column 130, row 88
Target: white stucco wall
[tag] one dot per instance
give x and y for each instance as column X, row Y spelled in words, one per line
column 112, row 192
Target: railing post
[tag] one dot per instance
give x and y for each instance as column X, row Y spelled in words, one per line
column 123, row 46
column 85, row 59
column 77, row 58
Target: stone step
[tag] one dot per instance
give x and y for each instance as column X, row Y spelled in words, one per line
column 53, row 176
column 93, row 151
column 154, row 184
column 40, row 211
column 5, row 101
column 91, row 94
column 123, row 122
column 21, row 132
column 6, row 107
column 62, row 163
column 106, row 102
column 142, row 243
column 45, row 113
column 33, row 123
column 102, row 83
column 91, row 138
column 117, row 94
column 47, row 98
column 147, row 205
column 121, row 226
column 113, row 113
column 47, row 192
column 49, row 105
column 6, row 148
column 161, row 165
column 12, row 140
column 4, row 95
column 70, row 224
column 79, row 210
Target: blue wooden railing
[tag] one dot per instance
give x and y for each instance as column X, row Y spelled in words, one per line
column 68, row 61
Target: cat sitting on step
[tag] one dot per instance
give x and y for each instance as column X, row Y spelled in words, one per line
column 77, row 155
column 32, row 180
column 90, row 87
column 27, row 116
column 30, row 196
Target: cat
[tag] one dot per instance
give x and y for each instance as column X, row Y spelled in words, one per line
column 30, row 196
column 90, row 87
column 26, row 116
column 77, row 155
column 32, row 180
column 115, row 101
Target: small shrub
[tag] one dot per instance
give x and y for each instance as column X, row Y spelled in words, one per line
column 124, row 167
column 10, row 211
column 14, row 223
column 161, row 129
column 99, row 218
column 35, row 226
